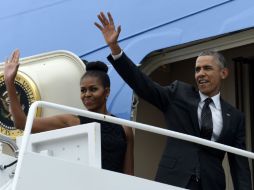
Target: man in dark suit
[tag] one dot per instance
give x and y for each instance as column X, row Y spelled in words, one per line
column 201, row 113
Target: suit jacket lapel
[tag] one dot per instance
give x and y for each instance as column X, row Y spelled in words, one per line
column 226, row 117
column 194, row 114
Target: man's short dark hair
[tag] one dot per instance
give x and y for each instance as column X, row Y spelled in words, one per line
column 220, row 59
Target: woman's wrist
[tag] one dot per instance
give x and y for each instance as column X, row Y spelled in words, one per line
column 9, row 82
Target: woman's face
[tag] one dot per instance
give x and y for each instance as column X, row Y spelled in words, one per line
column 93, row 94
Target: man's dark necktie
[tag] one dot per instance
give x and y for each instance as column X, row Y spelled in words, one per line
column 206, row 120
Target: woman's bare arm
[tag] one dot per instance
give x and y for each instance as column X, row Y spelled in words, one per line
column 40, row 124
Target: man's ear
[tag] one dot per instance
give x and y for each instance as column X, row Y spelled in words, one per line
column 224, row 73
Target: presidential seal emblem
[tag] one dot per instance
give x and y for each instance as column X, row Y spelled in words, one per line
column 27, row 93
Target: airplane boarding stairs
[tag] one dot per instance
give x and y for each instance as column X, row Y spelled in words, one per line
column 70, row 158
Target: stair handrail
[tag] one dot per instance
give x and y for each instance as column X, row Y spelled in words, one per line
column 11, row 143
column 107, row 118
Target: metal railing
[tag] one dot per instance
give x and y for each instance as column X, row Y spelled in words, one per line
column 136, row 125
column 11, row 143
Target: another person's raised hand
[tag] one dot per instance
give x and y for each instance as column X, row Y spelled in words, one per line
column 11, row 67
column 110, row 33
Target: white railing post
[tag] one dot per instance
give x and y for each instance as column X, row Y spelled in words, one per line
column 26, row 134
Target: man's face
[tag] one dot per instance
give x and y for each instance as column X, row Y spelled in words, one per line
column 208, row 75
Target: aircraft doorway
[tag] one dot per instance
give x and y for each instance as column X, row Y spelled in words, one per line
column 149, row 147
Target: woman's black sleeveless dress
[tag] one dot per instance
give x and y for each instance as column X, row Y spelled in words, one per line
column 113, row 144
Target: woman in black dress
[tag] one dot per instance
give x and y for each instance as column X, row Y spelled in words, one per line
column 116, row 140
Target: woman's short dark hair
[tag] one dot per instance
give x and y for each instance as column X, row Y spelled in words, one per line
column 97, row 69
